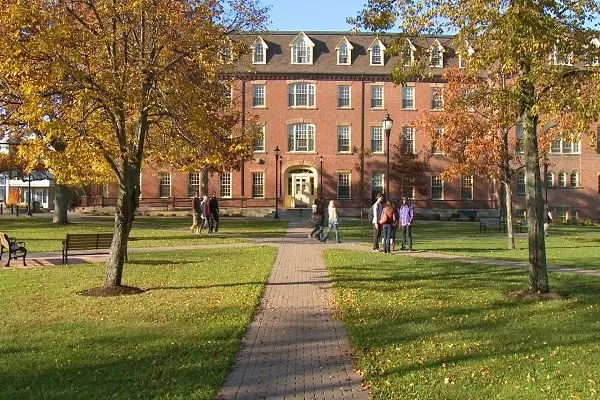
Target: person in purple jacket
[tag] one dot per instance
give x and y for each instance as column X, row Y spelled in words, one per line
column 406, row 218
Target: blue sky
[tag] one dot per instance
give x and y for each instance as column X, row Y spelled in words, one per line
column 312, row 15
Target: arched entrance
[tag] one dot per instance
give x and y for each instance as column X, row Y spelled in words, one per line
column 301, row 188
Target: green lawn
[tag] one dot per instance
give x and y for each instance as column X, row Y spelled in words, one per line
column 567, row 245
column 432, row 329
column 41, row 235
column 175, row 341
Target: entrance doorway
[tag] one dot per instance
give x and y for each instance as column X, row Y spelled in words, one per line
column 301, row 187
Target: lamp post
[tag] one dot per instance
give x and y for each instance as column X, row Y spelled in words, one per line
column 276, row 152
column 321, row 178
column 387, row 127
column 280, row 177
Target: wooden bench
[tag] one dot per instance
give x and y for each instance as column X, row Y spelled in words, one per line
column 14, row 248
column 81, row 242
column 491, row 222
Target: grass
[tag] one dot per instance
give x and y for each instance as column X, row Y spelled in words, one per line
column 568, row 245
column 175, row 341
column 41, row 234
column 432, row 329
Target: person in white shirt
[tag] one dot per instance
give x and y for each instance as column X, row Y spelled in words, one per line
column 376, row 212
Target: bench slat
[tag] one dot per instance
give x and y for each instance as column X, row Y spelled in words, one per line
column 86, row 241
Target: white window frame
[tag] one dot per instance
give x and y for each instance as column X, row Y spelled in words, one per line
column 439, row 133
column 408, row 50
column 561, row 146
column 436, row 55
column 301, row 133
column 562, row 179
column 346, row 178
column 574, row 179
column 549, row 180
column 377, row 140
column 300, row 90
column 258, row 144
column 225, row 185
column 377, row 96
column 407, row 187
column 408, row 97
column 520, row 183
column 164, row 183
column 376, row 53
column 344, row 52
column 259, row 94
column 344, row 134
column 258, row 185
column 302, row 50
column 377, row 181
column 466, row 187
column 259, row 57
column 436, row 184
column 194, row 183
column 437, row 98
column 344, row 96
column 408, row 139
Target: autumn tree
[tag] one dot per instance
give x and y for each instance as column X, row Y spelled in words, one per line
column 520, row 37
column 120, row 84
column 409, row 168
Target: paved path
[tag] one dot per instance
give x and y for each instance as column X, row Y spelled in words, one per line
column 295, row 348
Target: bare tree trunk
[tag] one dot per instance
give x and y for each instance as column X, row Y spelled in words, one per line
column 510, row 229
column 534, row 199
column 127, row 204
column 61, row 205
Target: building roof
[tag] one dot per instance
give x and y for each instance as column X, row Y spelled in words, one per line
column 278, row 55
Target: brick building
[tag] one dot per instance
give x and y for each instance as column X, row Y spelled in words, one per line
column 321, row 98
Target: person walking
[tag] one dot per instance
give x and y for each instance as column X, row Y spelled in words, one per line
column 315, row 219
column 213, row 208
column 387, row 221
column 332, row 215
column 196, row 212
column 547, row 221
column 396, row 225
column 320, row 219
column 375, row 214
column 205, row 214
column 406, row 218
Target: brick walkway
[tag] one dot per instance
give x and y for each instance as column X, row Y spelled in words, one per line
column 294, row 348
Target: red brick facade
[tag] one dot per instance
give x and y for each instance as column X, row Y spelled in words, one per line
column 301, row 170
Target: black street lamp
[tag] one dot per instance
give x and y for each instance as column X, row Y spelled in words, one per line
column 321, row 178
column 280, row 178
column 276, row 152
column 387, row 127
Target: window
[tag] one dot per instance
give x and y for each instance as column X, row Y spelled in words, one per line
column 258, row 95
column 377, row 139
column 164, row 184
column 407, row 187
column 301, row 95
column 344, row 54
column 302, row 49
column 225, row 185
column 439, row 132
column 258, row 185
column 344, row 96
column 258, row 145
column 519, row 139
column 343, row 186
column 560, row 57
column 466, row 188
column 193, row 183
column 301, row 137
column 437, row 56
column 520, row 190
column 437, row 98
column 343, row 139
column 408, row 54
column 437, row 188
column 549, row 182
column 376, row 96
column 574, row 179
column 562, row 179
column 408, row 139
column 376, row 185
column 376, row 56
column 259, row 53
column 463, row 61
column 561, row 146
column 408, row 97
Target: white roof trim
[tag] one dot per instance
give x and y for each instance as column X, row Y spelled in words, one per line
column 302, row 36
column 260, row 39
column 347, row 43
column 376, row 42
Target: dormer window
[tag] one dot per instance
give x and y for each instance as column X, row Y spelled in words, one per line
column 302, row 49
column 463, row 59
column 344, row 52
column 437, row 55
column 559, row 57
column 259, row 51
column 408, row 53
column 377, row 50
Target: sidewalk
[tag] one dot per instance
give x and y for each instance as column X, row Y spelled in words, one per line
column 295, row 348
